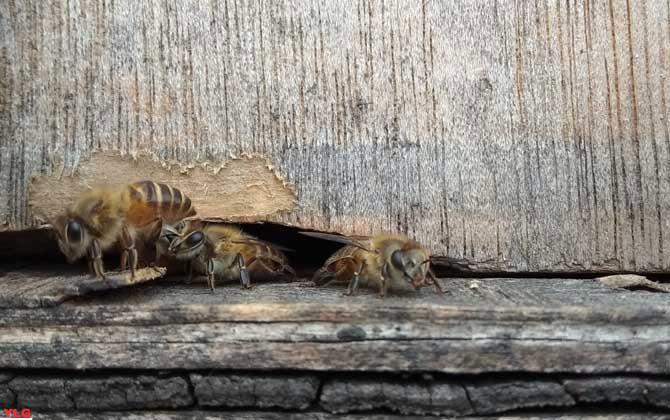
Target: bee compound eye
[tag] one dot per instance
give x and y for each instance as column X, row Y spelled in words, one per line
column 73, row 231
column 195, row 239
column 398, row 259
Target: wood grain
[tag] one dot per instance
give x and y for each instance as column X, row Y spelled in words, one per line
column 209, row 415
column 504, row 325
column 101, row 393
column 534, row 135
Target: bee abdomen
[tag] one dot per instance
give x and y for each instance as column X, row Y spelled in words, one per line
column 170, row 203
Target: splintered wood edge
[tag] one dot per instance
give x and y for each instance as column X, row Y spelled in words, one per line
column 625, row 281
column 114, row 280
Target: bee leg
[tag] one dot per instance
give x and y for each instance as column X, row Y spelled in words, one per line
column 244, row 273
column 383, row 284
column 95, row 259
column 322, row 277
column 210, row 274
column 284, row 269
column 124, row 260
column 434, row 281
column 353, row 284
column 153, row 234
column 129, row 255
column 265, row 266
column 91, row 269
column 189, row 272
column 291, row 272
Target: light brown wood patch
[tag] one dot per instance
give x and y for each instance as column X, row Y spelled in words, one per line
column 243, row 188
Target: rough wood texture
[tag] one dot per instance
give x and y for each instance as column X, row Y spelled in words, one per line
column 404, row 397
column 539, row 325
column 208, row 415
column 531, row 134
column 102, row 393
column 288, row 392
column 332, row 392
column 51, row 290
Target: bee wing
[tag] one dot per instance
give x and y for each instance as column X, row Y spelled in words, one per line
column 456, row 263
column 255, row 241
column 362, row 242
column 335, row 258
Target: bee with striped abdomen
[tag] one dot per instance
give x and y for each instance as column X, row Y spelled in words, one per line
column 226, row 252
column 383, row 261
column 106, row 216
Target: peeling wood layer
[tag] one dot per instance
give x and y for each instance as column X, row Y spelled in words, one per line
column 531, row 134
column 239, row 188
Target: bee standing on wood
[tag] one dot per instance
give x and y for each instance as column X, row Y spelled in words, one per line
column 219, row 250
column 106, row 216
column 385, row 261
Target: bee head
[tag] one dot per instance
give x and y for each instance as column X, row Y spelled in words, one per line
column 75, row 233
column 187, row 246
column 73, row 237
column 412, row 263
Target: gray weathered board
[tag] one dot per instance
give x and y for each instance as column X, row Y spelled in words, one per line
column 53, row 289
column 208, row 415
column 530, row 134
column 324, row 394
column 484, row 325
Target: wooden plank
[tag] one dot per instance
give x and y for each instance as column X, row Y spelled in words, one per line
column 334, row 393
column 213, row 415
column 528, row 135
column 47, row 289
column 529, row 325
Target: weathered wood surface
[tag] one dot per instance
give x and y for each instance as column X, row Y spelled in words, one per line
column 534, row 135
column 51, row 290
column 332, row 393
column 208, row 415
column 485, row 325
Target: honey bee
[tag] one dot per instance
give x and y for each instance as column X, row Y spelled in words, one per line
column 225, row 251
column 120, row 215
column 386, row 261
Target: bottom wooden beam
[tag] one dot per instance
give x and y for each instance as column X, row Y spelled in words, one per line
column 209, row 415
column 333, row 393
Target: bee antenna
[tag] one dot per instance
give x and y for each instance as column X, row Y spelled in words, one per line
column 425, row 261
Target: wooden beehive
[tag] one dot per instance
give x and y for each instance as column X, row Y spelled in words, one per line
column 523, row 139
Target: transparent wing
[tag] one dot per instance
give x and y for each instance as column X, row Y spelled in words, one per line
column 362, row 242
